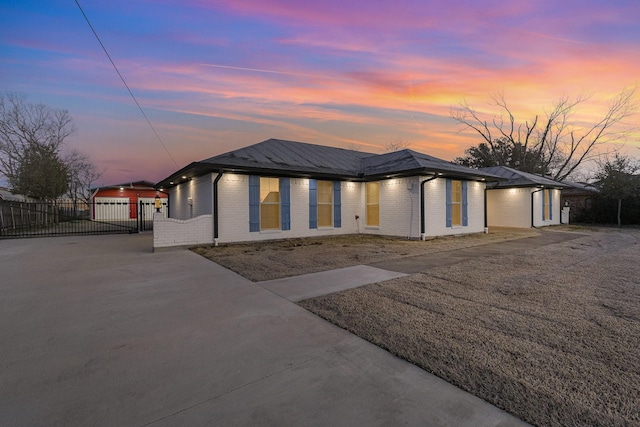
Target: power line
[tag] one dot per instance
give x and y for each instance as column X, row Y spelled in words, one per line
column 126, row 85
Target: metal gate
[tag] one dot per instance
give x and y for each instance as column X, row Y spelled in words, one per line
column 146, row 208
column 39, row 219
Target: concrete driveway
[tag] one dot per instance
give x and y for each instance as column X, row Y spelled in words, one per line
column 98, row 330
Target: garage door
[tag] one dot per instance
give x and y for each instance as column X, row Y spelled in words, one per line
column 111, row 208
column 147, row 207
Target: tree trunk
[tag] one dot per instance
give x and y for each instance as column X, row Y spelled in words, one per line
column 619, row 210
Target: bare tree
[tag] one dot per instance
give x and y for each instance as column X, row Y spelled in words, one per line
column 82, row 175
column 354, row 147
column 396, row 145
column 552, row 143
column 27, row 128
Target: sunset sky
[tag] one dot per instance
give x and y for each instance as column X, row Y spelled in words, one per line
column 213, row 76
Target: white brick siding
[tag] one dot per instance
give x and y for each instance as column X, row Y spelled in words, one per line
column 233, row 196
column 435, row 200
column 537, row 209
column 399, row 210
column 511, row 207
column 199, row 190
column 169, row 232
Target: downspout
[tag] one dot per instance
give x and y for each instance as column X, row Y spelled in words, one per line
column 215, row 208
column 422, row 208
column 561, row 207
column 486, row 215
column 532, row 213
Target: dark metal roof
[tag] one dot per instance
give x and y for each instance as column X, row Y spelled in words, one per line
column 290, row 158
column 279, row 155
column 411, row 161
column 516, row 178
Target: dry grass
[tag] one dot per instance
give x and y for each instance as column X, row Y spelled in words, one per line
column 259, row 261
column 551, row 335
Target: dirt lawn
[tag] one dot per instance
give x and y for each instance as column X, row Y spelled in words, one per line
column 551, row 334
column 261, row 261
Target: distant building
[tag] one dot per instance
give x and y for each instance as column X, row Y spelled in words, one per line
column 9, row 196
column 579, row 197
column 125, row 201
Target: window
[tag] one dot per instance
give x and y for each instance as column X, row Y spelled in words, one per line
column 373, row 203
column 325, row 204
column 269, row 203
column 546, row 205
column 456, row 208
column 456, row 203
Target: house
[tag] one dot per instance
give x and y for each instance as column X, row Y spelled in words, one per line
column 522, row 199
column 8, row 195
column 125, row 201
column 578, row 196
column 283, row 189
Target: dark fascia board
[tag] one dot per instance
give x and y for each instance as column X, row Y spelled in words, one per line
column 434, row 172
column 192, row 170
column 505, row 186
column 197, row 169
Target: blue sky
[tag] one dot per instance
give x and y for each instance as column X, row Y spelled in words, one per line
column 213, row 76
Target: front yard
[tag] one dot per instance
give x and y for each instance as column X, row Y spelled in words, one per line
column 549, row 334
column 261, row 261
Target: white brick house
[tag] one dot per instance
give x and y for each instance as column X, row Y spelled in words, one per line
column 281, row 189
column 522, row 199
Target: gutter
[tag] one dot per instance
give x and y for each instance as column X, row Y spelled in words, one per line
column 532, row 213
column 422, row 208
column 215, row 208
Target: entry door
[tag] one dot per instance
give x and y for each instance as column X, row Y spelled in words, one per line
column 133, row 208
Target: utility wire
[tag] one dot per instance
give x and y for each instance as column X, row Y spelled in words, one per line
column 127, row 86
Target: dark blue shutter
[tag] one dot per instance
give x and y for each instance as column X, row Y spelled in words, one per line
column 285, row 204
column 254, row 203
column 543, row 201
column 313, row 203
column 550, row 204
column 465, row 216
column 337, row 205
column 448, row 203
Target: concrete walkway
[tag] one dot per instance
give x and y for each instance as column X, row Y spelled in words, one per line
column 98, row 330
column 327, row 282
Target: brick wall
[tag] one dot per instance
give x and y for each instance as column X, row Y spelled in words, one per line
column 537, row 209
column 435, row 200
column 169, row 232
column 233, row 193
column 198, row 191
column 399, row 210
column 511, row 207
